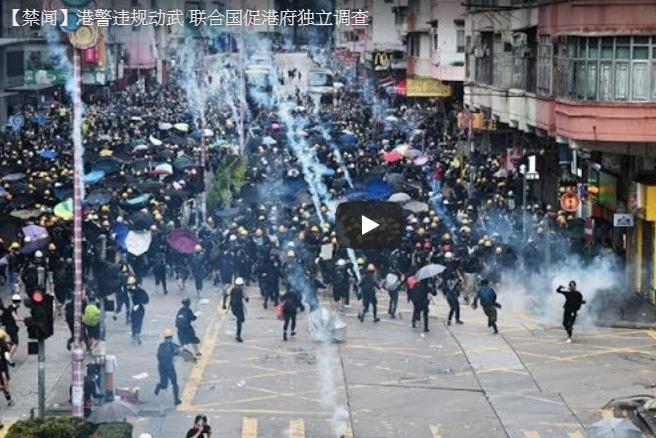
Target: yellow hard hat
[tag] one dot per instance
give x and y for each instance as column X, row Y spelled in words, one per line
column 131, row 281
column 371, row 267
column 168, row 333
column 282, row 229
column 315, row 229
column 153, row 228
column 431, row 213
column 291, row 253
column 360, row 261
column 52, row 247
column 481, row 242
column 446, row 236
column 488, row 244
column 301, row 236
column 243, row 232
column 14, row 245
column 499, row 250
column 3, row 334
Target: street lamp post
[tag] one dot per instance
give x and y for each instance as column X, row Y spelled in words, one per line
column 522, row 170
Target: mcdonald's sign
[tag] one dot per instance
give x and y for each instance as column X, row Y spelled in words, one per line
column 381, row 61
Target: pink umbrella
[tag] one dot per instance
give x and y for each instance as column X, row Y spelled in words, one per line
column 183, row 241
column 393, row 156
column 420, row 161
column 275, row 126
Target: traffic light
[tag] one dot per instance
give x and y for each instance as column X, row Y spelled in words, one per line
column 40, row 323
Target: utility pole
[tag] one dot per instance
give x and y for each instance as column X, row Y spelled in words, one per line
column 523, row 171
column 41, row 378
column 242, row 73
column 102, row 350
column 77, row 353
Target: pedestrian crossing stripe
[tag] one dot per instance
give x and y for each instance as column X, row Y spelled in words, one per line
column 435, row 431
column 576, row 435
column 7, row 422
column 531, row 434
column 608, row 413
column 348, row 433
column 296, row 429
column 249, row 428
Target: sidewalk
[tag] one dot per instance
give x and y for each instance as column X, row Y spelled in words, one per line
column 136, row 364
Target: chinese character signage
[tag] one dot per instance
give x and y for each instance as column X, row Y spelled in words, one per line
column 427, row 87
column 45, row 77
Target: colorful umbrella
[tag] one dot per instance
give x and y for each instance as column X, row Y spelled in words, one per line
column 138, row 200
column 378, row 189
column 93, row 177
column 182, row 127
column 35, row 232
column 421, row 160
column 48, row 155
column 34, row 245
column 99, row 197
column 183, row 241
column 393, row 157
column 163, row 169
column 64, row 210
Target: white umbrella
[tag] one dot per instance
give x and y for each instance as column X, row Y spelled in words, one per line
column 155, row 141
column 165, row 126
column 208, row 133
column 182, row 127
column 268, row 141
column 429, row 271
column 326, row 325
column 501, row 173
column 348, row 132
column 614, row 428
column 138, row 242
column 164, row 168
column 416, row 207
column 392, row 119
column 400, row 198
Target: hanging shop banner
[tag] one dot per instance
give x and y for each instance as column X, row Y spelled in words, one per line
column 46, row 77
column 623, row 220
column 381, row 61
column 427, row 87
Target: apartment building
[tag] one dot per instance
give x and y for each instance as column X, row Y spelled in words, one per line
column 576, row 81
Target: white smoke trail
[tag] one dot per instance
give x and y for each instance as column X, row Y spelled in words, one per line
column 338, row 156
column 327, row 362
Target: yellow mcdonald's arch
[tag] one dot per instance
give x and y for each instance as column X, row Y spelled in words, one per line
column 381, row 59
column 427, row 87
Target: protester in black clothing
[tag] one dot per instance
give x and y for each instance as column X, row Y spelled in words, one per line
column 270, row 279
column 237, row 299
column 139, row 299
column 5, row 363
column 368, row 288
column 166, row 353
column 573, row 302
column 291, row 302
column 184, row 323
column 10, row 322
column 90, row 388
column 418, row 293
column 201, row 429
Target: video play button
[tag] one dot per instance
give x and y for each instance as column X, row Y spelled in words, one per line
column 369, row 225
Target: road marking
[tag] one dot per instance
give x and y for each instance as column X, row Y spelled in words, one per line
column 348, row 433
column 248, row 428
column 608, row 413
column 652, row 334
column 436, row 431
column 575, row 435
column 296, row 429
column 196, row 375
column 531, row 434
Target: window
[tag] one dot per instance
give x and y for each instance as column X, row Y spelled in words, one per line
column 545, row 65
column 498, row 60
column 436, row 41
column 460, row 40
column 401, row 15
column 413, row 46
column 619, row 68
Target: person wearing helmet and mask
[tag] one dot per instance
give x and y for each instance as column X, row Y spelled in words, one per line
column 368, row 288
column 238, row 300
column 159, row 268
column 197, row 265
column 341, row 285
column 166, row 354
column 5, row 363
column 451, row 288
column 184, row 323
column 269, row 279
column 30, row 273
column 291, row 302
column 418, row 294
column 139, row 298
column 225, row 271
column 14, row 265
column 10, row 320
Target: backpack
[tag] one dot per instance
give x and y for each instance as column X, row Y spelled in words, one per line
column 392, row 282
column 182, row 320
column 164, row 353
column 91, row 315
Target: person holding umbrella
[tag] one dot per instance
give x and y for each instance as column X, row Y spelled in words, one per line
column 418, row 291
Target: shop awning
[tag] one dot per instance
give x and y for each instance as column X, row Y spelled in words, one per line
column 401, row 87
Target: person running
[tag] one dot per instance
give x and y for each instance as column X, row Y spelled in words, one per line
column 418, row 293
column 166, row 354
column 10, row 322
column 488, row 299
column 368, row 288
column 573, row 302
column 291, row 302
column 392, row 285
column 184, row 323
column 139, row 298
column 238, row 298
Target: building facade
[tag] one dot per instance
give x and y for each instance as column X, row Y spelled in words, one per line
column 576, row 81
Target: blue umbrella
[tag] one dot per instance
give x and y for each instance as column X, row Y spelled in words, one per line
column 327, row 172
column 138, row 200
column 378, row 189
column 121, row 231
column 99, row 197
column 63, row 193
column 40, row 120
column 93, row 177
column 48, row 155
column 348, row 139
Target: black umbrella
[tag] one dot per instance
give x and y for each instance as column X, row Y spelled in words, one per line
column 13, row 177
column 107, row 165
column 141, row 221
column 99, row 197
column 10, row 227
column 183, row 162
